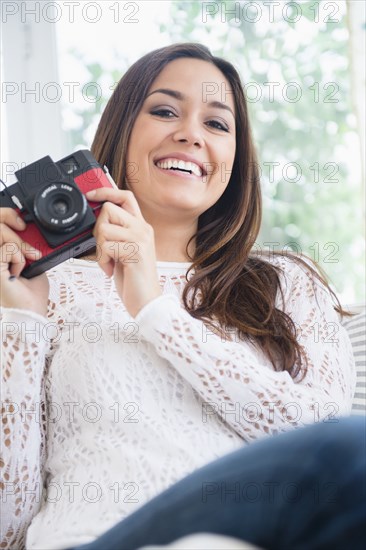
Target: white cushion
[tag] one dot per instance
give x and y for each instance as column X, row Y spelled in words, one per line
column 205, row 541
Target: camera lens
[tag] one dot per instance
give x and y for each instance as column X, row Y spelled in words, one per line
column 60, row 207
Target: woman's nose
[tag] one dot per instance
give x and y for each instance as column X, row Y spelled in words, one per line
column 189, row 132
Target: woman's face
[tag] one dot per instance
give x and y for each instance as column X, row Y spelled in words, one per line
column 182, row 144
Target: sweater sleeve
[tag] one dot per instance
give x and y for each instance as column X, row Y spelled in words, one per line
column 236, row 381
column 23, row 422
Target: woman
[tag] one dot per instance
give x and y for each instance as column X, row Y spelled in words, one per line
column 150, row 369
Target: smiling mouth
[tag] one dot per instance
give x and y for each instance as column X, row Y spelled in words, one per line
column 180, row 166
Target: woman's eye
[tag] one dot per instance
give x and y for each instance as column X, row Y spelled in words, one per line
column 164, row 113
column 218, row 125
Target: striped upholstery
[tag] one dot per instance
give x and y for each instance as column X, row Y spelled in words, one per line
column 356, row 328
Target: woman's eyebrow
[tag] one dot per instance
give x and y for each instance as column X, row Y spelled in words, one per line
column 168, row 91
column 181, row 97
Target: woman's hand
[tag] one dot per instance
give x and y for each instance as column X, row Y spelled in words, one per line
column 18, row 292
column 126, row 248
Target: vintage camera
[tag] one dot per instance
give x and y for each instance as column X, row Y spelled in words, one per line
column 50, row 197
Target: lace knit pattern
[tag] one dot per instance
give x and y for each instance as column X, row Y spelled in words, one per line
column 102, row 411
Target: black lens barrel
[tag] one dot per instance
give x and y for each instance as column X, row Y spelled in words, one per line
column 60, row 207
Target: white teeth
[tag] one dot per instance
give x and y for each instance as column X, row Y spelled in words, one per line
column 166, row 164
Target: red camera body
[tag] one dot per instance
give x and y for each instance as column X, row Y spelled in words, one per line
column 50, row 198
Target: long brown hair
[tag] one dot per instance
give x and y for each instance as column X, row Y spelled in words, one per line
column 231, row 284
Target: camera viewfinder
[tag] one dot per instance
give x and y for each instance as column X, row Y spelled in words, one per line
column 70, row 165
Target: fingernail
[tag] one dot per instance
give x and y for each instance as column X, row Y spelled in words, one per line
column 21, row 223
column 90, row 193
column 37, row 253
column 12, row 278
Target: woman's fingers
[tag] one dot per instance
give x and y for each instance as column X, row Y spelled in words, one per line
column 13, row 257
column 11, row 262
column 10, row 217
column 123, row 198
column 13, row 250
column 112, row 231
column 14, row 243
column 113, row 247
column 112, row 213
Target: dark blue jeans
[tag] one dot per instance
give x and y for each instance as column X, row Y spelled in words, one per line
column 304, row 489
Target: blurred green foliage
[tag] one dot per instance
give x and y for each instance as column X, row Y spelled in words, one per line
column 296, row 76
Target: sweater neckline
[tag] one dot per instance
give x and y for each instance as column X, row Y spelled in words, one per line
column 168, row 269
column 161, row 266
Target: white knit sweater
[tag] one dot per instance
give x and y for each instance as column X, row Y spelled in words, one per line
column 133, row 405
